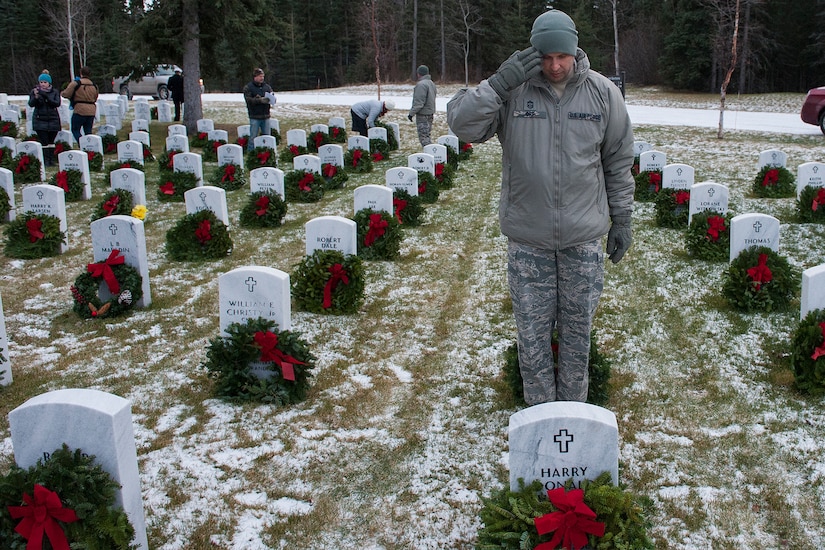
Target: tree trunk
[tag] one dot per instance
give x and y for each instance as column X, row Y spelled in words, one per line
column 414, row 56
column 721, row 133
column 192, row 108
column 615, row 37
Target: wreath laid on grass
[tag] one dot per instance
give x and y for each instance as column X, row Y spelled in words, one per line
column 68, row 501
column 303, row 186
column 198, row 236
column 811, row 205
column 5, row 204
column 334, row 176
column 672, row 208
column 9, row 128
column 759, row 279
column 708, row 236
column 110, row 142
column 260, row 157
column 427, row 187
column 327, row 281
column 379, row 235
column 648, row 184
column 808, row 353
column 465, row 150
column 26, row 168
column 391, row 141
column 210, row 149
column 379, row 150
column 95, row 161
column 357, row 161
column 61, row 147
column 774, row 182
column 33, row 236
column 337, row 134
column 123, row 282
column 598, row 370
column 316, row 139
column 115, row 202
column 173, row 185
column 444, row 175
column 71, row 182
column 289, row 152
column 199, row 140
column 598, row 515
column 166, row 161
column 6, row 157
column 264, row 209
column 229, row 177
column 112, row 166
column 286, row 356
column 407, row 208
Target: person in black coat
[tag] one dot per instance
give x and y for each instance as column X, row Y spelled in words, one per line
column 45, row 99
column 175, row 85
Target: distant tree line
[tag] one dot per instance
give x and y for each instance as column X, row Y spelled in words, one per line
column 678, row 44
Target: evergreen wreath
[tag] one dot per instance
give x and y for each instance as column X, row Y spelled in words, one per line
column 95, row 161
column 33, row 236
column 465, row 150
column 634, row 168
column 243, row 141
column 210, row 149
column 303, row 186
column 286, row 355
column 337, row 134
column 379, row 235
column 276, row 134
column 61, row 147
column 810, row 205
column 173, row 185
column 357, row 161
column 648, row 185
column 759, row 279
column 6, row 157
column 289, row 152
column 672, row 208
column 407, row 208
column 379, row 150
column 110, row 142
column 316, row 140
column 124, row 283
column 5, row 204
column 264, row 209
column 444, row 175
column 90, row 519
column 327, row 281
column 71, row 182
column 166, row 161
column 427, row 187
column 510, row 517
column 808, row 353
column 452, row 156
column 115, row 202
column 391, row 141
column 112, row 166
column 199, row 140
column 147, row 154
column 26, row 169
column 229, row 176
column 260, row 157
column 598, row 371
column 9, row 128
column 774, row 182
column 198, row 236
column 335, row 177
column 708, row 236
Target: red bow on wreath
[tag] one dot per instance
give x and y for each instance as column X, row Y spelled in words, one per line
column 422, row 187
column 262, row 204
column 268, row 342
column 377, row 156
column 229, row 173
column 62, row 180
column 263, row 156
column 104, row 269
column 59, row 148
column 215, row 146
column 23, row 164
column 682, row 197
column 202, row 135
column 168, row 188
column 399, row 206
column 40, row 516
column 439, row 170
column 572, row 521
column 339, row 275
column 33, row 226
column 147, row 153
column 319, row 139
column 91, row 155
column 716, row 224
column 819, row 200
column 111, row 205
column 6, row 128
column 303, row 185
column 760, row 273
column 329, row 170
column 467, row 147
column 335, row 131
column 820, row 351
column 294, row 150
column 655, row 179
column 356, row 156
column 771, row 177
column 204, row 232
column 171, row 164
column 377, row 228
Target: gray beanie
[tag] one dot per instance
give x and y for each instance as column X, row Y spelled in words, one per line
column 554, row 32
column 422, row 70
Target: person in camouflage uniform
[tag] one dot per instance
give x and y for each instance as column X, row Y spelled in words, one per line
column 423, row 105
column 567, row 150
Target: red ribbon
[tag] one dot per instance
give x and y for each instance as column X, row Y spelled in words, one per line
column 771, row 177
column 111, row 147
column 760, row 273
column 466, row 147
column 62, row 180
column 203, row 232
column 91, row 155
column 572, row 521
column 202, row 135
column 682, row 197
column 268, row 342
column 229, row 173
column 262, row 204
column 146, row 152
column 422, row 187
column 242, row 141
column 335, row 131
column 215, row 145
column 655, row 179
column 40, row 516
column 377, row 228
column 303, row 185
column 820, row 351
column 356, row 156
column 104, row 269
column 318, row 137
column 377, row 156
column 399, row 205
column 263, row 156
column 23, row 164
column 33, row 227
column 6, row 128
column 339, row 275
column 168, row 188
column 58, row 148
column 439, row 170
column 171, row 164
column 110, row 205
column 716, row 224
column 329, row 170
column 819, row 200
column 294, row 150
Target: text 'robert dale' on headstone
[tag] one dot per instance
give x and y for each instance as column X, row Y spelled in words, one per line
column 554, row 442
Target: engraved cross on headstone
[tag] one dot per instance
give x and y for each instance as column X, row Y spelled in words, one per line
column 756, row 227
column 711, row 192
column 563, row 439
column 113, row 229
column 250, row 284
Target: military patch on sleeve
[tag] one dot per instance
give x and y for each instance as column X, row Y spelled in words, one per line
column 585, row 116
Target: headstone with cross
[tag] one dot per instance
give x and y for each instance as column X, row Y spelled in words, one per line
column 438, row 151
column 640, row 147
column 230, row 153
column 402, row 177
column 810, row 174
column 747, row 230
column 33, row 149
column 77, row 160
column 707, row 196
column 130, row 151
column 91, row 143
column 813, row 290
column 296, row 136
column 205, row 125
column 207, row 197
column 449, row 141
column 164, row 111
column 377, row 132
column 331, row 154
column 773, row 158
column 266, row 180
column 557, row 441
column 140, row 125
column 267, row 142
column 251, row 292
column 177, row 142
column 189, row 162
column 49, row 200
column 307, row 163
column 677, row 176
column 650, row 161
column 358, row 142
column 126, row 234
column 132, row 180
column 176, row 130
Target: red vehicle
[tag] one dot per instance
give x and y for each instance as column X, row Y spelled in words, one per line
column 813, row 110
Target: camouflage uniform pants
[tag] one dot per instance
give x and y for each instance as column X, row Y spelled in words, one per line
column 424, row 124
column 555, row 289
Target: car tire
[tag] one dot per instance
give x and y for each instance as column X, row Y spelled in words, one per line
column 163, row 92
column 822, row 121
column 124, row 90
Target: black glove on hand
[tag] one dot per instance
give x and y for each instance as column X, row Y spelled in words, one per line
column 619, row 238
column 517, row 69
column 409, row 117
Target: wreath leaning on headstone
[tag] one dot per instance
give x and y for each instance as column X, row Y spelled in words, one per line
column 6, row 157
column 316, row 139
column 337, row 134
column 407, row 208
column 672, row 208
column 198, row 236
column 379, row 235
column 648, row 184
column 379, row 150
column 123, row 282
column 774, row 182
column 260, row 157
column 5, row 204
column 427, row 187
column 289, row 152
column 808, row 353
column 26, row 168
column 115, row 202
column 444, row 175
column 210, row 149
column 357, row 161
column 110, row 142
column 199, row 140
column 166, row 162
column 452, row 157
column 173, row 185
column 71, row 182
column 33, row 236
column 68, row 500
column 391, row 141
column 334, row 177
column 759, row 279
column 61, row 147
column 95, row 161
column 303, row 186
column 229, row 176
column 708, row 236
column 288, row 360
column 810, row 205
column 327, row 281
column 465, row 150
column 263, row 209
column 9, row 128
column 112, row 166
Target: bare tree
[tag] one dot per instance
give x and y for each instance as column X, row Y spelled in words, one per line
column 471, row 22
column 72, row 24
column 615, row 4
column 726, row 16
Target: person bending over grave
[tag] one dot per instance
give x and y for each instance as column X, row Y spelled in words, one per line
column 567, row 149
column 45, row 99
column 82, row 94
column 365, row 113
column 259, row 100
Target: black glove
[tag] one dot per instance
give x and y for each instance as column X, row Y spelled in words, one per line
column 409, row 117
column 619, row 238
column 517, row 69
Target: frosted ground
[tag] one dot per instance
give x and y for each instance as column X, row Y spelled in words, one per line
column 405, row 428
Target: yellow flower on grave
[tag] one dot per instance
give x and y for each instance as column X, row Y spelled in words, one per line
column 139, row 211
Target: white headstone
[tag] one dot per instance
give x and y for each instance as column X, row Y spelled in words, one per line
column 331, row 233
column 49, row 200
column 7, row 183
column 810, row 173
column 268, row 142
column 640, row 147
column 650, row 161
column 813, row 290
column 331, row 154
column 106, row 130
column 275, row 124
column 218, row 135
column 449, row 140
column 124, row 233
column 205, row 125
column 77, row 160
column 358, row 142
column 5, row 359
column 207, row 197
column 91, row 143
column 123, row 103
column 95, row 422
column 557, row 441
column 230, row 153
column 251, row 292
column 297, row 137
column 64, row 113
column 377, row 132
column 438, row 151
column 402, row 177
column 141, row 136
column 422, row 162
column 307, row 163
column 772, row 157
column 140, row 125
column 33, row 149
column 65, row 136
column 373, row 197
column 113, row 116
column 319, row 128
column 9, row 143
column 164, row 111
column 189, row 162
column 130, row 151
column 10, row 115
column 142, row 110
column 132, row 180
column 243, row 130
column 267, row 179
column 176, row 130
column 677, row 176
column 177, row 142
column 747, row 230
column 337, row 122
column 708, row 195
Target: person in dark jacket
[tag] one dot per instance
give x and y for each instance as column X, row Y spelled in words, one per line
column 175, row 85
column 82, row 93
column 259, row 100
column 45, row 99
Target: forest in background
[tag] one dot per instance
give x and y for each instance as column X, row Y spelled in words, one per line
column 677, row 44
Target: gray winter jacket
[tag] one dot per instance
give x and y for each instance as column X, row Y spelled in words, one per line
column 423, row 102
column 565, row 164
